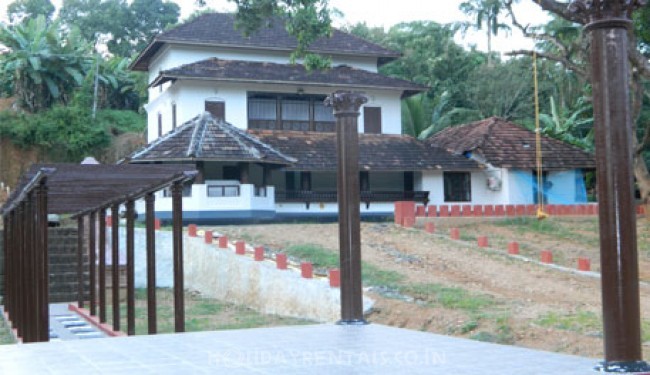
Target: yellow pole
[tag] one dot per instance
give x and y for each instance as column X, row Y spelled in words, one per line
column 538, row 147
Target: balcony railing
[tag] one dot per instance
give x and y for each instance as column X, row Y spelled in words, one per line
column 309, row 196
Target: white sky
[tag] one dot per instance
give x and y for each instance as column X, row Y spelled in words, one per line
column 387, row 13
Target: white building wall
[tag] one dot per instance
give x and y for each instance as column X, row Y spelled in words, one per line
column 433, row 182
column 174, row 55
column 482, row 195
column 190, row 97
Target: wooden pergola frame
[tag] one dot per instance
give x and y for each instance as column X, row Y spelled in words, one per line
column 86, row 191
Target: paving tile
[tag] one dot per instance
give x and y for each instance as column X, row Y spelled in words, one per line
column 318, row 349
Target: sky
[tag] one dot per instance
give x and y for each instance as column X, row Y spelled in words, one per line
column 387, row 13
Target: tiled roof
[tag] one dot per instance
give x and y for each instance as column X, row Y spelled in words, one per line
column 218, row 29
column 377, row 152
column 508, row 145
column 265, row 72
column 205, row 138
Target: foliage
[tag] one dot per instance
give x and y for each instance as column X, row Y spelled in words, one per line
column 571, row 126
column 306, row 20
column 44, row 62
column 68, row 133
column 581, row 321
column 21, row 10
column 503, row 89
column 127, row 26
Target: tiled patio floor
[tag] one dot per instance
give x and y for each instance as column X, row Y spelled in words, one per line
column 316, row 349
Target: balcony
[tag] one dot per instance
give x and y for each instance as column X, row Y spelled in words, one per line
column 367, row 197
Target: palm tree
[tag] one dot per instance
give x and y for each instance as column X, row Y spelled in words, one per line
column 486, row 12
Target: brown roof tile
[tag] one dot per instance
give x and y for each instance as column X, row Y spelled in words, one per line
column 508, row 145
column 265, row 72
column 377, row 152
column 205, row 138
column 218, row 29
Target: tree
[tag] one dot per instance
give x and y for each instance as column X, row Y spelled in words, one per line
column 486, row 12
column 306, row 20
column 20, row 10
column 503, row 89
column 147, row 18
column 44, row 63
column 577, row 63
column 127, row 28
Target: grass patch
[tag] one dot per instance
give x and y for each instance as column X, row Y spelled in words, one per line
column 322, row 257
column 450, row 297
column 645, row 331
column 554, row 227
column 201, row 314
column 582, row 321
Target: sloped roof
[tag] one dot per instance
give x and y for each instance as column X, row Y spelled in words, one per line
column 377, row 152
column 218, row 29
column 265, row 72
column 205, row 138
column 505, row 144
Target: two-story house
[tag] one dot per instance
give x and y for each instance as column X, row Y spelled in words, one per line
column 256, row 127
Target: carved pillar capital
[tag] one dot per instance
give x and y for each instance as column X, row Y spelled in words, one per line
column 346, row 102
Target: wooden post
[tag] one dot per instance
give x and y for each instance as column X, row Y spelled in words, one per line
column 177, row 219
column 115, row 264
column 151, row 263
column 80, row 261
column 130, row 267
column 102, row 265
column 92, row 263
column 346, row 110
column 43, row 264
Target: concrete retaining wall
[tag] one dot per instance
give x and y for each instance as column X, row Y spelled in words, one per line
column 220, row 273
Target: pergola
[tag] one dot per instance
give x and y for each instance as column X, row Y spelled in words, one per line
column 86, row 191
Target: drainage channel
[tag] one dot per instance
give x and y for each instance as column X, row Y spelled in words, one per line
column 67, row 325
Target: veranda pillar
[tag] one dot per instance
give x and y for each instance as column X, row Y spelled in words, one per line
column 609, row 24
column 346, row 110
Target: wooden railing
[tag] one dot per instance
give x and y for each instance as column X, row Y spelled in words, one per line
column 309, row 196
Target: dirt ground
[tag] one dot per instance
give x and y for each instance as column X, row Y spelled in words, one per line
column 507, row 300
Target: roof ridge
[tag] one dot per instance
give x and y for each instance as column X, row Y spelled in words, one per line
column 165, row 137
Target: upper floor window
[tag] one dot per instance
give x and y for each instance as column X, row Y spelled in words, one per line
column 289, row 112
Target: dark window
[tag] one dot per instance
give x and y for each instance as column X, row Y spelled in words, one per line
column 173, row 116
column 364, row 180
column 372, row 120
column 217, row 109
column 458, row 186
column 290, row 181
column 409, row 179
column 231, row 173
column 305, row 180
column 159, row 124
column 289, row 112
